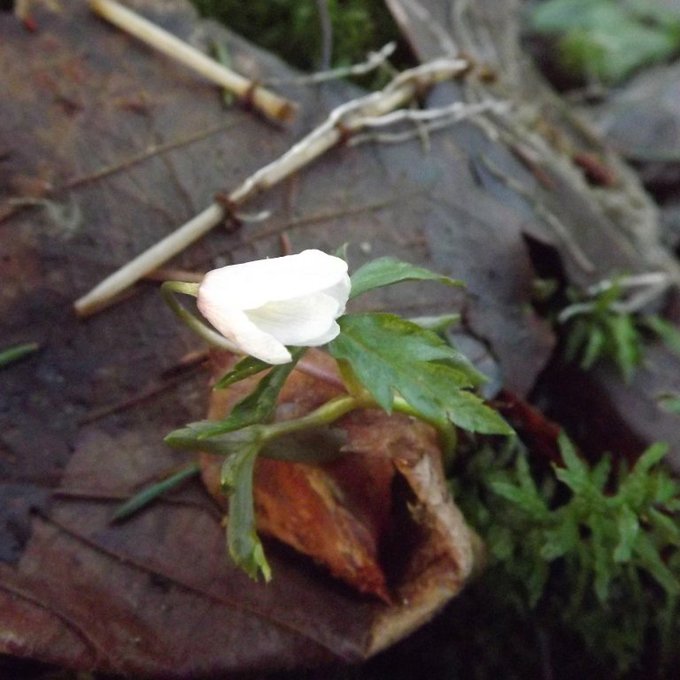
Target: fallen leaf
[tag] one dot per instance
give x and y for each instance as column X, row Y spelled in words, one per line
column 344, row 513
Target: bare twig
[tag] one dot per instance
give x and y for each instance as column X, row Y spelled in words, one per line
column 426, row 121
column 271, row 105
column 342, row 122
column 373, row 61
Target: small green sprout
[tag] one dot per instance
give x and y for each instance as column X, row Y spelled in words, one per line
column 605, row 322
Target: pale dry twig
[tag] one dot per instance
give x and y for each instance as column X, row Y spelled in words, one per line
column 342, row 122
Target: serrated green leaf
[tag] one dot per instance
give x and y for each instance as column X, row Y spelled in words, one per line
column 575, row 471
column 386, row 271
column 468, row 411
column 243, row 542
column 244, row 369
column 390, row 355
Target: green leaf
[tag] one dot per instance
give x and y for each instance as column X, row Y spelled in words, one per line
column 468, row 411
column 242, row 540
column 12, row 354
column 556, row 16
column 259, row 405
column 575, row 471
column 244, row 369
column 607, row 39
column 650, row 458
column 150, row 493
column 390, row 356
column 439, row 324
column 386, row 271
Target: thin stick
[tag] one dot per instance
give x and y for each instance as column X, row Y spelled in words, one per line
column 149, row 260
column 271, row 105
column 342, row 122
column 373, row 61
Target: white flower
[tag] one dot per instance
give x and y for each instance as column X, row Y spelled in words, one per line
column 264, row 305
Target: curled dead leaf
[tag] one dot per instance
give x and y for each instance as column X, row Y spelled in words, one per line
column 379, row 517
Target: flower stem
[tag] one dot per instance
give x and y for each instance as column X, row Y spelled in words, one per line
column 168, row 290
column 324, row 415
column 340, row 406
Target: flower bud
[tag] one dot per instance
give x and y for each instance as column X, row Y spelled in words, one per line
column 264, row 305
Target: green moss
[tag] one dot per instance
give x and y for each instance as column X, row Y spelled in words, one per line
column 293, row 30
column 584, row 561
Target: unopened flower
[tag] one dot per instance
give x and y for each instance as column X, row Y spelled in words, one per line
column 264, row 305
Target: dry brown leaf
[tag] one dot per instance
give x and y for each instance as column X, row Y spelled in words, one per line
column 379, row 516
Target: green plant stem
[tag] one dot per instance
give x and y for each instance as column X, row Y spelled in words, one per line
column 168, row 290
column 324, row 415
column 340, row 406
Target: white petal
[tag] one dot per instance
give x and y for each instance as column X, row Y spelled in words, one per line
column 340, row 291
column 296, row 322
column 332, row 333
column 237, row 327
column 253, row 284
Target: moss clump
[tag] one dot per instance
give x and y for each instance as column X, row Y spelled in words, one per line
column 293, row 29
